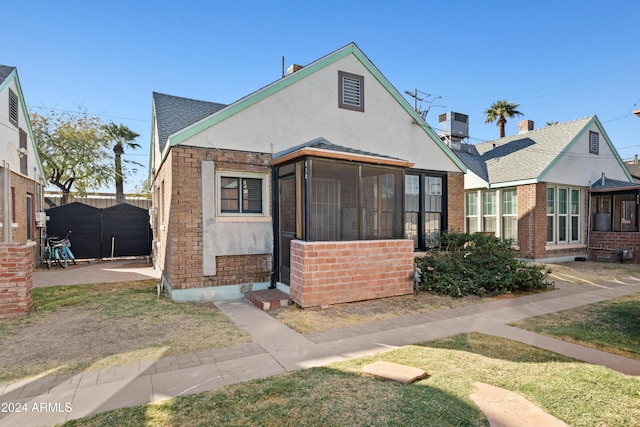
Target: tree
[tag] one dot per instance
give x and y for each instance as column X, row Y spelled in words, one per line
column 74, row 150
column 501, row 110
column 121, row 136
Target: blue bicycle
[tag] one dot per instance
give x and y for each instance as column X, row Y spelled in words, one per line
column 57, row 251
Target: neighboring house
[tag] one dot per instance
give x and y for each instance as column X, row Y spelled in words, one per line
column 634, row 168
column 534, row 187
column 22, row 182
column 323, row 184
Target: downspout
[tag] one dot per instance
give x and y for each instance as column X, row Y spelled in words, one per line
column 275, row 215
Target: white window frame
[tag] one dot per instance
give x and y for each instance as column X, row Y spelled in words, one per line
column 472, row 217
column 493, row 205
column 237, row 174
column 557, row 213
column 504, row 215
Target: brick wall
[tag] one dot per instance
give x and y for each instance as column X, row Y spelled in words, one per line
column 602, row 245
column 180, row 251
column 22, row 186
column 16, row 268
column 338, row 272
column 455, row 201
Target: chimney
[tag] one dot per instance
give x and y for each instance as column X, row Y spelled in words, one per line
column 635, row 159
column 293, row 68
column 525, row 126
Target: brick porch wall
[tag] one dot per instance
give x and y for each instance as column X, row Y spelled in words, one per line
column 339, row 272
column 16, row 269
column 613, row 240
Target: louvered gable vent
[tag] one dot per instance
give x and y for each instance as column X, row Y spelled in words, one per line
column 351, row 88
column 351, row 91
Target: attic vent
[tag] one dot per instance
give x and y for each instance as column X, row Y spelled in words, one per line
column 351, row 91
column 13, row 108
column 594, row 142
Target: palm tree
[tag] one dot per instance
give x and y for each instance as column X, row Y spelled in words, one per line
column 121, row 136
column 501, row 110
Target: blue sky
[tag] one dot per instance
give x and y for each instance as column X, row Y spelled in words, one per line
column 560, row 60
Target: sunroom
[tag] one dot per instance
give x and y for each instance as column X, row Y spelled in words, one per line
column 340, row 224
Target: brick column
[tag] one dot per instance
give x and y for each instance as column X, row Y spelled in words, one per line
column 16, row 270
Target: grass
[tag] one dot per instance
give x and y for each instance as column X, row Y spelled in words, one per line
column 341, row 394
column 612, row 326
column 75, row 328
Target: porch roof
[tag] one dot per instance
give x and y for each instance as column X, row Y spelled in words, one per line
column 605, row 184
column 320, row 147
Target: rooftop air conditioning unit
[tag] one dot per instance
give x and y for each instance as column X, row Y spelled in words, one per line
column 455, row 125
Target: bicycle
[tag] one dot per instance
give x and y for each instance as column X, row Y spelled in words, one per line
column 57, row 251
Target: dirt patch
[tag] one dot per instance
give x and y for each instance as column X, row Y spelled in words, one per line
column 73, row 334
column 315, row 319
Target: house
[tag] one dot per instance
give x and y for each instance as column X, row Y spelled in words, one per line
column 322, row 184
column 22, row 179
column 534, row 187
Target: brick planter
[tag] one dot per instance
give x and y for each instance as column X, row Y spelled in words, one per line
column 16, row 269
column 338, row 272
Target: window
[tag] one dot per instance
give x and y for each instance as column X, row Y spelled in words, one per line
column 471, row 212
column 489, row 211
column 13, row 108
column 29, row 217
column 423, row 196
column 594, row 142
column 575, row 215
column 350, row 91
column 240, row 195
column 510, row 214
column 563, row 215
column 551, row 211
column 492, row 211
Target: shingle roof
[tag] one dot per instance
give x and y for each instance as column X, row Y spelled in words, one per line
column 523, row 156
column 5, row 70
column 323, row 144
column 174, row 113
column 608, row 184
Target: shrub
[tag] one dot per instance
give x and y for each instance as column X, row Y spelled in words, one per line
column 478, row 264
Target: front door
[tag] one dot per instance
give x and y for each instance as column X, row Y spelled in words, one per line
column 287, row 225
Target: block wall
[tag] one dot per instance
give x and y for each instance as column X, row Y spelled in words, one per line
column 16, row 272
column 338, row 272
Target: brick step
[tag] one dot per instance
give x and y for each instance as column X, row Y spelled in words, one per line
column 268, row 299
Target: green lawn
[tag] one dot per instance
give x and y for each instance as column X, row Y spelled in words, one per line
column 341, row 394
column 612, row 326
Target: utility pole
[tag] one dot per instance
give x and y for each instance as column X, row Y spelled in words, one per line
column 414, row 95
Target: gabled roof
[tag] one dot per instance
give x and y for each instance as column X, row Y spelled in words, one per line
column 322, row 148
column 180, row 133
column 174, row 113
column 527, row 156
column 5, row 71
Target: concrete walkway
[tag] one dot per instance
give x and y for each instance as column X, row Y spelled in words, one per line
column 278, row 349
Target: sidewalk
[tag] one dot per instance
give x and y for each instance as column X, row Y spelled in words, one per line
column 278, row 349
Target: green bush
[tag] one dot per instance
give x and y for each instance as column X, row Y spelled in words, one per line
column 478, row 264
